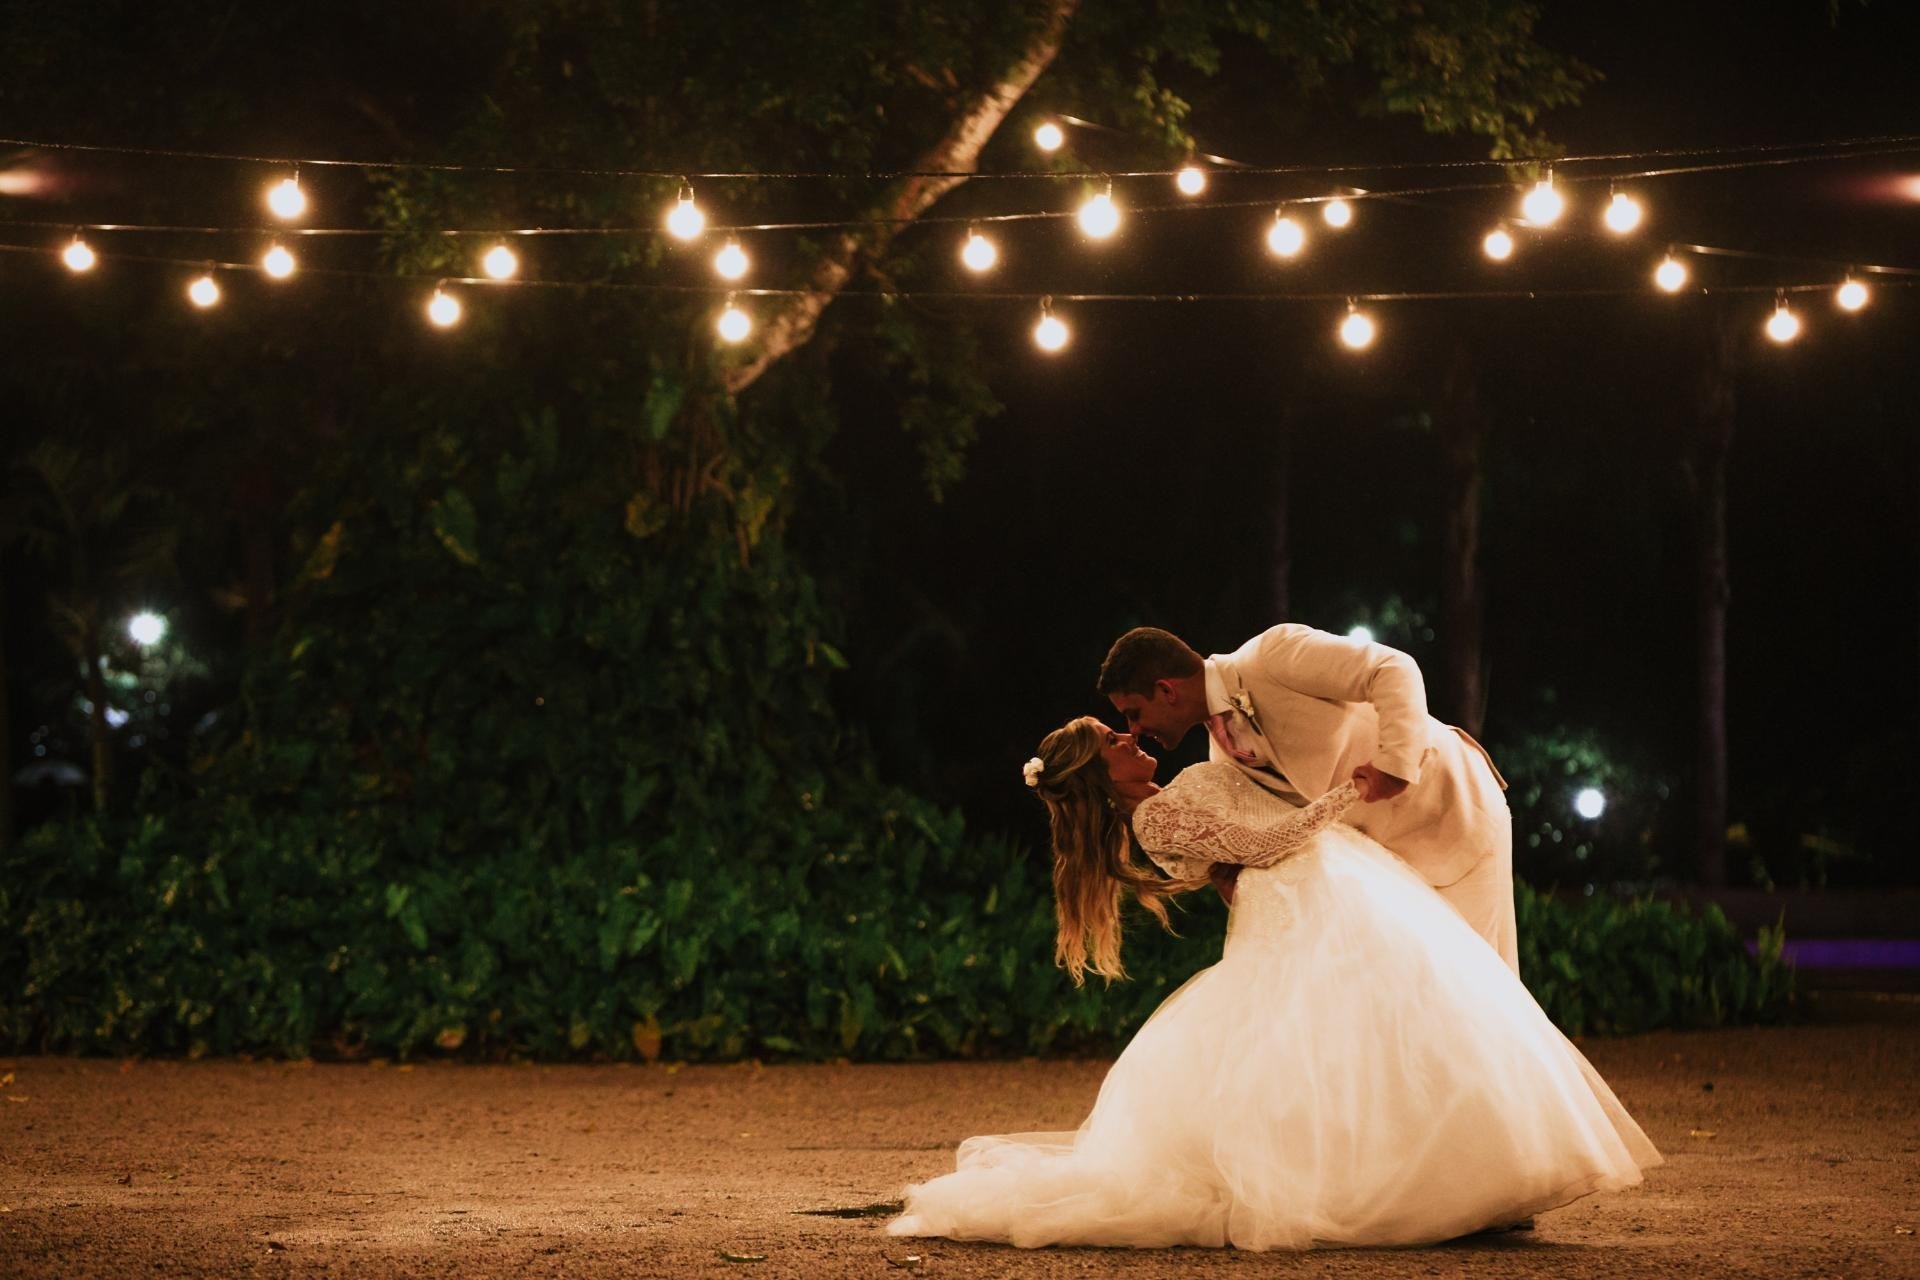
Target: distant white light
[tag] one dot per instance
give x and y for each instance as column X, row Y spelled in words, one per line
column 1498, row 244
column 1048, row 136
column 78, row 255
column 147, row 628
column 1590, row 803
column 1671, row 274
column 115, row 717
column 1363, row 634
column 1623, row 213
column 203, row 292
column 501, row 263
column 1338, row 213
column 1191, row 180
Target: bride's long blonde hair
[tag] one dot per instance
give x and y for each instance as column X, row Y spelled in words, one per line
column 1093, row 863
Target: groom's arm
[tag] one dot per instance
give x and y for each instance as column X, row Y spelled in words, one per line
column 1323, row 665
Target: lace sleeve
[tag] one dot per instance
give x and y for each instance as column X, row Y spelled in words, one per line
column 1173, row 830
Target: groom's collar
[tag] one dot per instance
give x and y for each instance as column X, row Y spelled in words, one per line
column 1216, row 687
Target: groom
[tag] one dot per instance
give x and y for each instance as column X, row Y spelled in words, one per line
column 1300, row 711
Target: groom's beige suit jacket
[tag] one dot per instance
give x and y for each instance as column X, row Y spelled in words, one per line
column 1321, row 705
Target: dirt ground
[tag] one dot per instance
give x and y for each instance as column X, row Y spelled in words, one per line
column 1792, row 1152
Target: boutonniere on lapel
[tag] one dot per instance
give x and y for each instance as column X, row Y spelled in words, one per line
column 1242, row 701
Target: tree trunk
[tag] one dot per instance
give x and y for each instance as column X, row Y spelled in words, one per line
column 100, row 749
column 958, row 152
column 1707, row 472
column 1462, row 594
column 1279, row 496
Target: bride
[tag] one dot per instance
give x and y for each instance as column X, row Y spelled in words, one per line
column 1360, row 1068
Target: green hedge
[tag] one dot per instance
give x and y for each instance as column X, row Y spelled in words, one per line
column 891, row 938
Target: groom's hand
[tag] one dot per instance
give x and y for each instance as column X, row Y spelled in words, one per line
column 1375, row 785
column 1223, row 875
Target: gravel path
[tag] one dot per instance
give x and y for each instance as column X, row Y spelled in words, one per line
column 1792, row 1152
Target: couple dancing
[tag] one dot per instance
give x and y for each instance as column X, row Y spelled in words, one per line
column 1363, row 1065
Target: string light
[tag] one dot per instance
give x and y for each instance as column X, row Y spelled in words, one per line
column 978, row 253
column 1048, row 137
column 1498, row 245
column 1357, row 329
column 203, row 292
column 734, row 324
column 286, row 200
column 1671, row 274
column 1285, row 237
column 78, row 255
column 1099, row 216
column 1623, row 213
column 501, row 263
column 1338, row 213
column 686, row 220
column 1782, row 326
column 1544, row 204
column 444, row 309
column 1191, row 180
column 1051, row 334
column 278, row 262
column 731, row 261
column 1852, row 295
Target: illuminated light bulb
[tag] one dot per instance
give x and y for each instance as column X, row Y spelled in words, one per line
column 1363, row 634
column 1498, row 244
column 147, row 628
column 1048, row 136
column 1051, row 334
column 501, row 263
column 731, row 261
column 1852, row 295
column 1357, row 329
column 277, row 262
column 1623, row 213
column 734, row 324
column 1191, row 180
column 1543, row 205
column 1338, row 213
column 203, row 292
column 1284, row 237
column 444, row 309
column 1099, row 216
column 1783, row 326
column 978, row 252
column 686, row 220
column 1590, row 803
column 1671, row 274
column 78, row 255
column 286, row 199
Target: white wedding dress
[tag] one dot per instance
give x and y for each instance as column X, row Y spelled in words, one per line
column 1360, row 1068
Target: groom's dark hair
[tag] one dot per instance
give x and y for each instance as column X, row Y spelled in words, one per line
column 1141, row 657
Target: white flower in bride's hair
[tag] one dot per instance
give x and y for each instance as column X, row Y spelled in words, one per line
column 1031, row 771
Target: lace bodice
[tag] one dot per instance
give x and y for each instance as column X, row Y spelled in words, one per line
column 1213, row 812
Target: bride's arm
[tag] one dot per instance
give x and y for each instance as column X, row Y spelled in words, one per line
column 1168, row 825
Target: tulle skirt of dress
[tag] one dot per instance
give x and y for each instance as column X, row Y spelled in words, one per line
column 1360, row 1068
